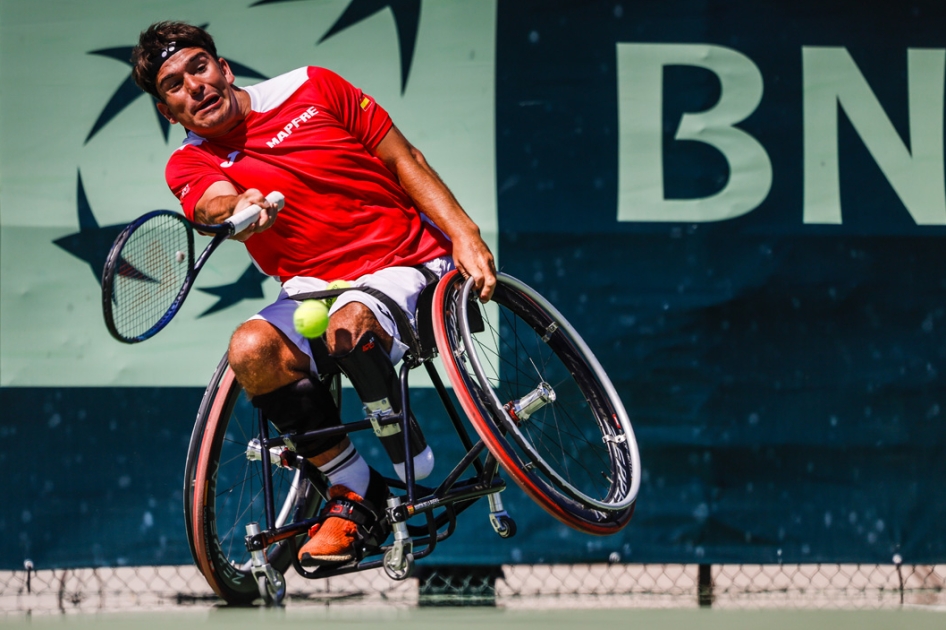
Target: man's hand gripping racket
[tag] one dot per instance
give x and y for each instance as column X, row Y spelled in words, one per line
column 151, row 268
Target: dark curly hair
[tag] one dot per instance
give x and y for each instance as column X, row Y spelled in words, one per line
column 156, row 42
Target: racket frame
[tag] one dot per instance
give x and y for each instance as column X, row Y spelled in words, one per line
column 238, row 222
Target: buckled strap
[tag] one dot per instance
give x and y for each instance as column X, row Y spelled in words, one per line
column 321, row 295
column 350, row 511
column 407, row 333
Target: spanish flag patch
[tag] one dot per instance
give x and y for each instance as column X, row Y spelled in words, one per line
column 365, row 102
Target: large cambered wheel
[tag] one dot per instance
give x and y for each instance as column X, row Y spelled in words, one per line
column 223, row 490
column 540, row 401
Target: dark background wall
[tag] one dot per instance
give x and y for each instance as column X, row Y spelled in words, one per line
column 783, row 378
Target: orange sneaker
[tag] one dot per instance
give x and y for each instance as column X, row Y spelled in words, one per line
column 349, row 523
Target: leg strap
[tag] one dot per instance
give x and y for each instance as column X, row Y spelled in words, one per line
column 367, row 514
column 358, row 513
column 408, row 335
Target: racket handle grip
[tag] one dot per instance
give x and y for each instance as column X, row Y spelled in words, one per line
column 242, row 219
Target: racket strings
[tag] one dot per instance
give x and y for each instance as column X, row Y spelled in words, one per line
column 151, row 268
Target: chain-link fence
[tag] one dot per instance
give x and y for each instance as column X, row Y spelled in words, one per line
column 619, row 585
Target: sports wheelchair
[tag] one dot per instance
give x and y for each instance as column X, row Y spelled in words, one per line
column 542, row 407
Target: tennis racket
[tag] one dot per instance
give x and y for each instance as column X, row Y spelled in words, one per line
column 151, row 268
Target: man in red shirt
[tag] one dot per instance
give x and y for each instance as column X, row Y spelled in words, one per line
column 362, row 205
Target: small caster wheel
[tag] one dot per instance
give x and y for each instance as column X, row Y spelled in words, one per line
column 262, row 585
column 398, row 570
column 270, row 593
column 507, row 527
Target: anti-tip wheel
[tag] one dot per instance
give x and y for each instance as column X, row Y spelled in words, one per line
column 507, row 527
column 398, row 571
column 269, row 592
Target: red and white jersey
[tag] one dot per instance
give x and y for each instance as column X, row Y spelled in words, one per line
column 311, row 135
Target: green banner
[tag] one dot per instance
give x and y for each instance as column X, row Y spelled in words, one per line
column 82, row 153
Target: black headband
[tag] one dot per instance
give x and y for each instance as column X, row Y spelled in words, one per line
column 158, row 58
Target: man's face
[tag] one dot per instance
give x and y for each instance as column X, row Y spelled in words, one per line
column 198, row 93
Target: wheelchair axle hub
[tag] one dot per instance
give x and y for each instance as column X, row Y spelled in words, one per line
column 521, row 409
column 278, row 455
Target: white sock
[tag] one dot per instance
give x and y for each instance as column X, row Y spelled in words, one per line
column 348, row 469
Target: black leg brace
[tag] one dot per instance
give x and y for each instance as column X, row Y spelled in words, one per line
column 370, row 370
column 305, row 405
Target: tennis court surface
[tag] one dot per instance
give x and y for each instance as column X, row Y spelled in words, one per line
column 453, row 618
column 548, row 597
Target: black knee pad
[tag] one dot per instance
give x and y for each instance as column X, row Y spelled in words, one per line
column 371, row 372
column 304, row 405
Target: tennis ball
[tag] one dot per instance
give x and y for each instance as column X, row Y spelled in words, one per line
column 311, row 318
column 336, row 284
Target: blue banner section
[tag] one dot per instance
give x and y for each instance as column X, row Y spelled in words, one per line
column 772, row 309
column 788, row 408
column 94, row 476
column 559, row 124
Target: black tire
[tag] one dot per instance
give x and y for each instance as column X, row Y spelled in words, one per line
column 223, row 491
column 574, row 453
column 508, row 527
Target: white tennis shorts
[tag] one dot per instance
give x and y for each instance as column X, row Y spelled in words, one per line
column 401, row 284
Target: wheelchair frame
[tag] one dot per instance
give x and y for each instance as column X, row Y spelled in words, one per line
column 453, row 494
